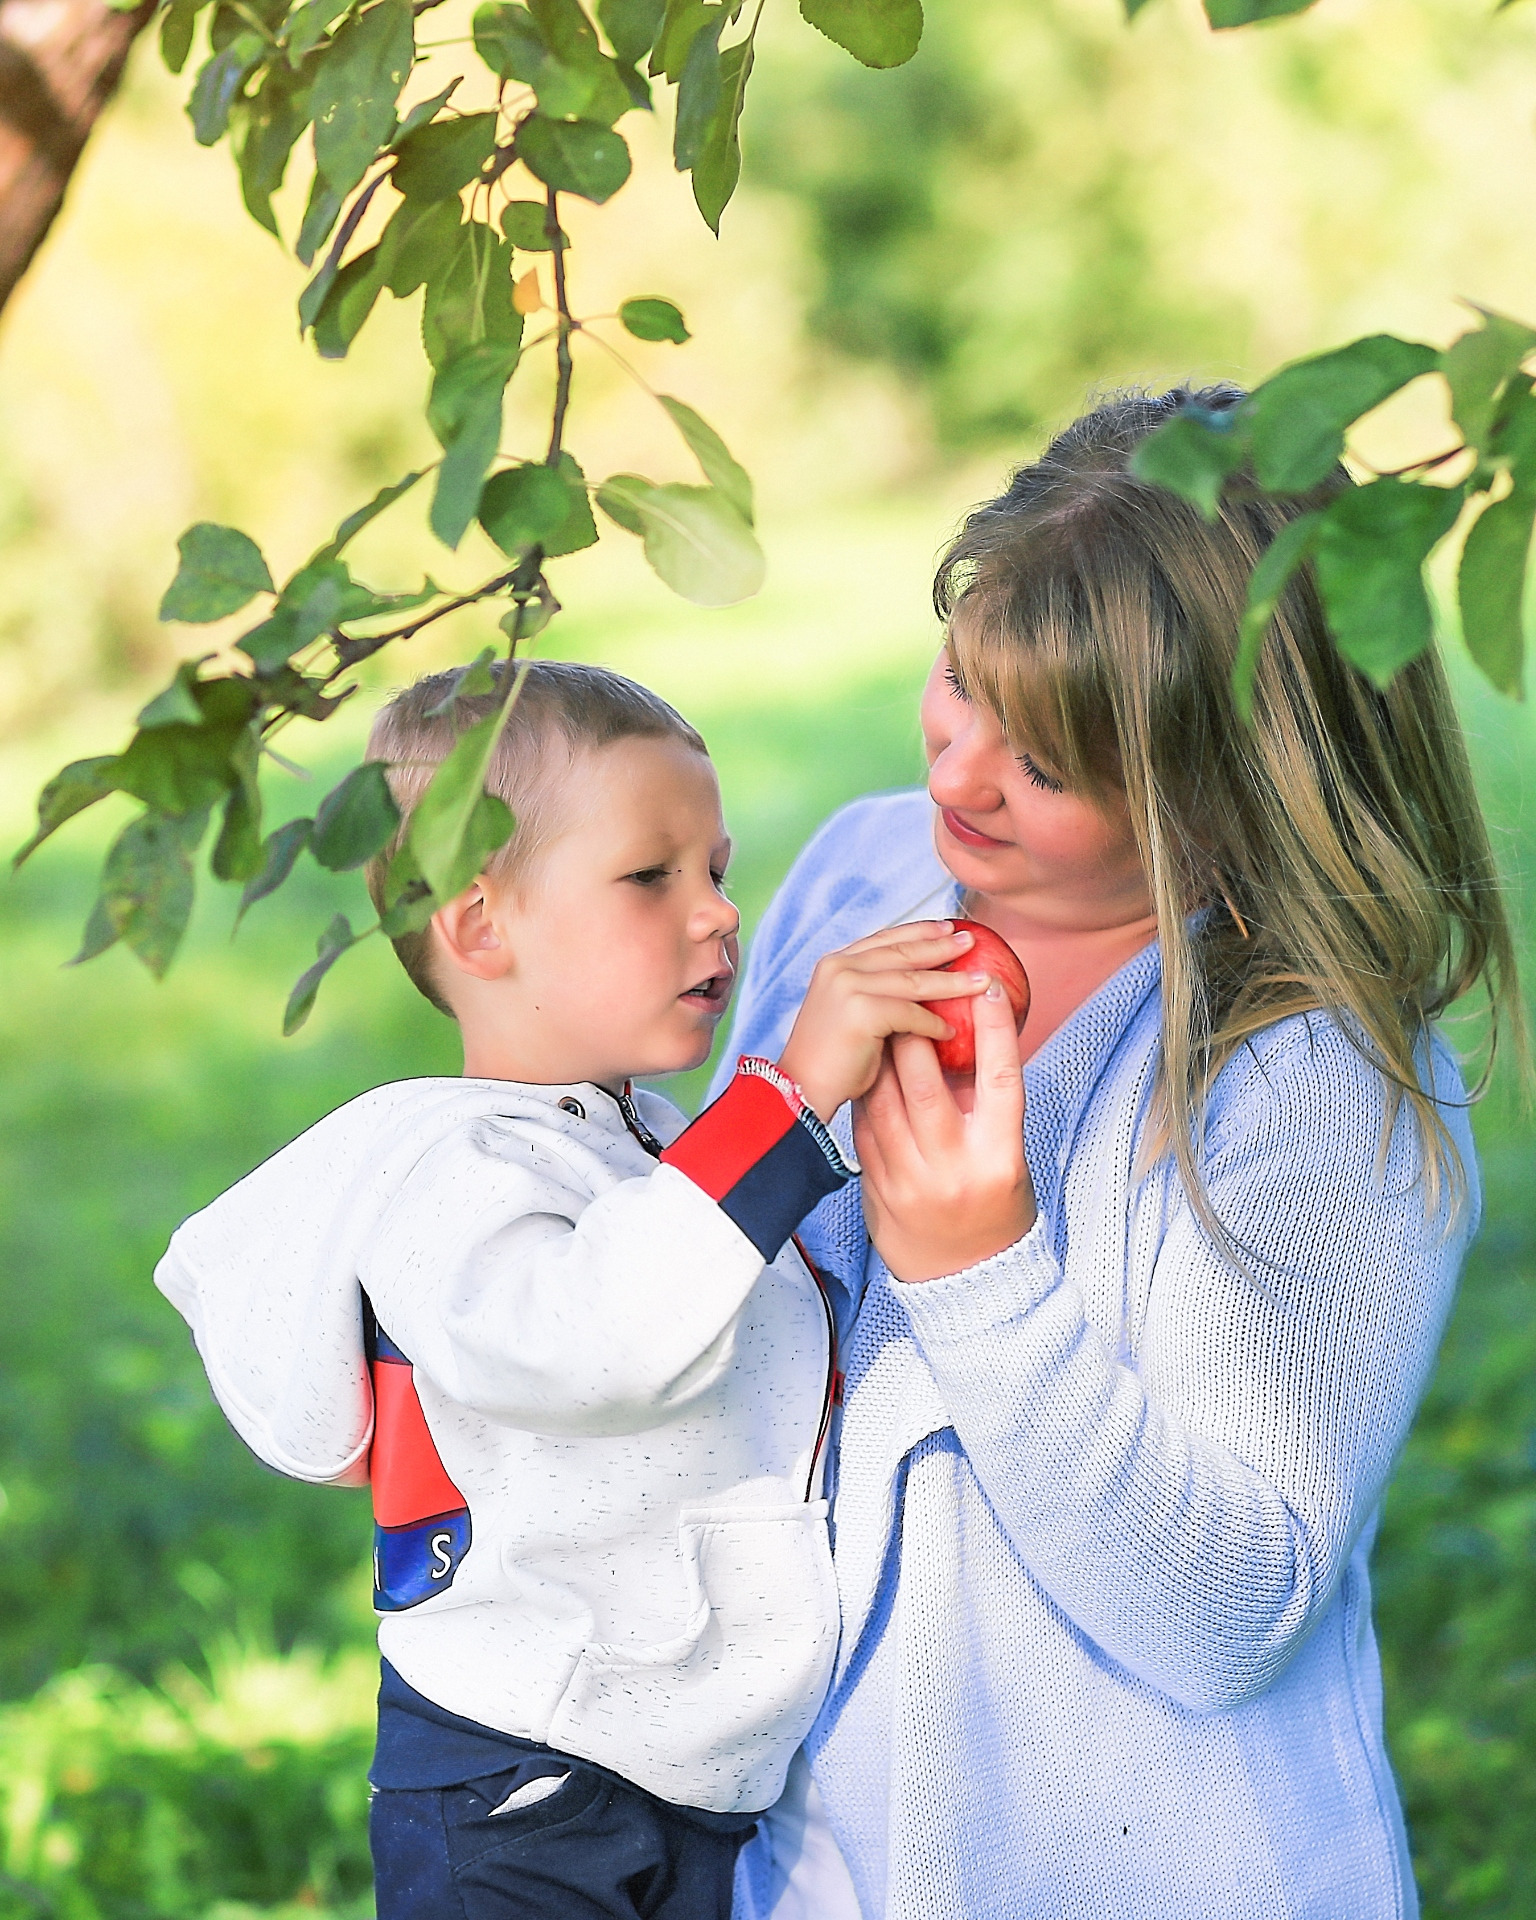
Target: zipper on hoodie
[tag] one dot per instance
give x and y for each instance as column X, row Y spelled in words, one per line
column 832, row 1392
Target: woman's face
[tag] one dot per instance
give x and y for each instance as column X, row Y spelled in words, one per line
column 1009, row 832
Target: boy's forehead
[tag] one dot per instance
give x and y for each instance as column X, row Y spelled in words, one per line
column 644, row 784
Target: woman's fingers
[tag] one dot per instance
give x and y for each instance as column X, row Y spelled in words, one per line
column 929, row 941
column 932, row 1115
column 999, row 1080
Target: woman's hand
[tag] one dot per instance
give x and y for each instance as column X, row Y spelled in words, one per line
column 864, row 993
column 944, row 1188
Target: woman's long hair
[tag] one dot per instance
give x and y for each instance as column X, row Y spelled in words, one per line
column 1336, row 842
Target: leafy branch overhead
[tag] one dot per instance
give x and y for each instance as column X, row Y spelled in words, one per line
column 1368, row 544
column 456, row 197
column 460, row 204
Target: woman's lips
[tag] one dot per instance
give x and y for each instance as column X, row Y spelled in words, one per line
column 967, row 836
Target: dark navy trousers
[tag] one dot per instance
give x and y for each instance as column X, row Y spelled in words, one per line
column 547, row 1838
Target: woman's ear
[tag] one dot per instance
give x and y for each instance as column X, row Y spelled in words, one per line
column 469, row 936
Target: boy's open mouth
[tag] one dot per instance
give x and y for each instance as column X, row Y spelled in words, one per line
column 713, row 992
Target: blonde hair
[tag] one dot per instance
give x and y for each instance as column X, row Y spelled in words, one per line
column 1336, row 844
column 562, row 710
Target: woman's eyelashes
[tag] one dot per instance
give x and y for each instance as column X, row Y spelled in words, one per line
column 952, row 681
column 1037, row 777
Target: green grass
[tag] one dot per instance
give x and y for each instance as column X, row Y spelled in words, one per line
column 183, row 1635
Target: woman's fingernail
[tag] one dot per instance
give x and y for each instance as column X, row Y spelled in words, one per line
column 965, row 939
column 994, row 991
column 978, row 979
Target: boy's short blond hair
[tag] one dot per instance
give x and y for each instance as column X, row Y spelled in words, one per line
column 562, row 711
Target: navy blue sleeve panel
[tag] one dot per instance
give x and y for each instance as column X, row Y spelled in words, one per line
column 762, row 1155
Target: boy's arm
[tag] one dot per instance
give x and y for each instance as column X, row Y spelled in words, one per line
column 562, row 1314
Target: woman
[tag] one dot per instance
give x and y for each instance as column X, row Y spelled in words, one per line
column 1125, row 1381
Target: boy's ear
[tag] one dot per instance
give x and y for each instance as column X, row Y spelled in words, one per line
column 467, row 935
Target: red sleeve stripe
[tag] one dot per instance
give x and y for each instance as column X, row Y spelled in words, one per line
column 729, row 1138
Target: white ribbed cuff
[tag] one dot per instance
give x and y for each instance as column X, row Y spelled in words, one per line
column 979, row 1299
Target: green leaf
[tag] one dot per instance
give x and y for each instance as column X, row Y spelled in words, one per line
column 471, row 682
column 1491, row 587
column 574, row 156
column 357, row 82
column 878, row 33
column 218, row 83
column 451, row 832
column 1242, row 13
column 1277, row 566
column 712, row 454
column 409, row 902
column 1371, row 549
column 422, row 239
column 238, row 853
column 355, row 522
column 572, row 40
column 320, row 215
column 332, row 944
column 356, row 819
column 347, row 304
column 631, row 26
column 278, row 852
column 681, row 21
column 439, row 160
column 1132, row 8
column 521, row 507
column 147, row 888
column 579, row 529
column 1479, row 366
column 422, row 113
column 269, row 124
column 98, row 934
column 74, row 788
column 464, row 411
column 553, row 49
column 1297, row 419
column 695, row 539
column 653, row 319
column 525, row 223
column 308, row 25
column 176, row 702
column 469, row 298
column 1193, row 455
column 528, row 616
column 221, row 569
column 177, row 770
column 718, row 167
column 300, row 617
column 177, row 25
column 698, row 93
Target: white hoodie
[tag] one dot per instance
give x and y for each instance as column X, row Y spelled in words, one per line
column 597, row 1475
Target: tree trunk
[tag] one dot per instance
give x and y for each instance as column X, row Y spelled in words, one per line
column 60, row 61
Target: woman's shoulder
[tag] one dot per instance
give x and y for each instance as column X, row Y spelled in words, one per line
column 1310, row 1075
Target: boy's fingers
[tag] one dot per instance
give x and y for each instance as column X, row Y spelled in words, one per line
column 915, row 983
column 937, row 935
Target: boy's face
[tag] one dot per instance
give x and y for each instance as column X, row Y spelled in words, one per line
column 617, row 956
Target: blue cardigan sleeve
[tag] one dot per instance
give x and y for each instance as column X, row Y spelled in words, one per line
column 1191, row 1507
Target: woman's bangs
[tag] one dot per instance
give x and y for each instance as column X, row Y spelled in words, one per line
column 1023, row 649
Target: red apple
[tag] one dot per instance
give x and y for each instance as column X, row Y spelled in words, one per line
column 989, row 953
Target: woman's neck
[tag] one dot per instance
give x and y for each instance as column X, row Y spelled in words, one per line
column 1066, row 965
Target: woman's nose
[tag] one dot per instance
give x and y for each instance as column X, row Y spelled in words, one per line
column 964, row 773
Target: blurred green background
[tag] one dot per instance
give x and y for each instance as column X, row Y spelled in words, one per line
column 926, row 271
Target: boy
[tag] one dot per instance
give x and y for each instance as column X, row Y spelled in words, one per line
column 601, row 1378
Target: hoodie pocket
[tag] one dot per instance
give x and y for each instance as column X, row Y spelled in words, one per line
column 711, row 1718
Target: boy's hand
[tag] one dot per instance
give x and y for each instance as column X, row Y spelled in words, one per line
column 860, row 996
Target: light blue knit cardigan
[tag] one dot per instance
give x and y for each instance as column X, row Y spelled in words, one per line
column 1104, row 1505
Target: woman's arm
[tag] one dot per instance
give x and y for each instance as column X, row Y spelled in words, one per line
column 1193, row 1512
